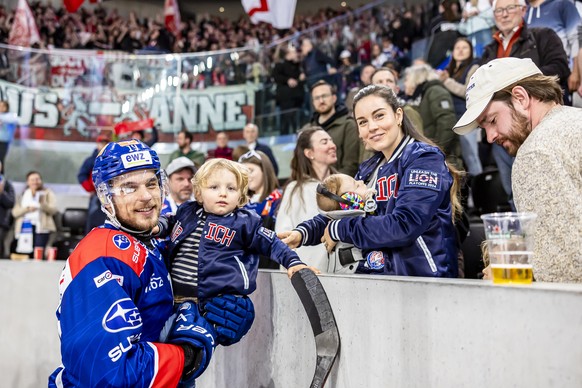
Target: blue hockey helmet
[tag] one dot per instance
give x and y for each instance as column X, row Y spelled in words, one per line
column 119, row 158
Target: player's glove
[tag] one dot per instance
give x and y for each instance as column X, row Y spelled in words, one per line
column 196, row 336
column 231, row 315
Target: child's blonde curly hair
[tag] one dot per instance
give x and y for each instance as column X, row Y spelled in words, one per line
column 211, row 167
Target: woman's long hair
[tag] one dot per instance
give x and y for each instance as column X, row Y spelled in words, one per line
column 302, row 170
column 456, row 69
column 408, row 128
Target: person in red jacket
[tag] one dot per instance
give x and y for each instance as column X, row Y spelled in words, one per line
column 95, row 216
column 222, row 149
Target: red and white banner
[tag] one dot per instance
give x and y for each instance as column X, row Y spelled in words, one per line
column 75, row 113
column 24, row 31
column 278, row 13
column 74, row 5
column 172, row 16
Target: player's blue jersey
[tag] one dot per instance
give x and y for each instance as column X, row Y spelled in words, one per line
column 413, row 233
column 116, row 296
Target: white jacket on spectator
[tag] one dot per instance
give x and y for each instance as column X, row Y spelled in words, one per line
column 293, row 211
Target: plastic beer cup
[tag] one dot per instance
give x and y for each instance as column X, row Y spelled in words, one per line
column 510, row 245
column 38, row 253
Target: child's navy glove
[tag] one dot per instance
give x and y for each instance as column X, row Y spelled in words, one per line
column 231, row 315
column 196, row 336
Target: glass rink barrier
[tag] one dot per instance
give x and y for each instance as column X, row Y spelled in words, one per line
column 63, row 99
column 394, row 332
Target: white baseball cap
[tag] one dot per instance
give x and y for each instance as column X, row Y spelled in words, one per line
column 179, row 164
column 486, row 81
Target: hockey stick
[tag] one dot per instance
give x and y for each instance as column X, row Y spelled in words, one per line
column 327, row 340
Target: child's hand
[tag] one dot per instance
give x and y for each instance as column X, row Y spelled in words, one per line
column 156, row 230
column 291, row 238
column 291, row 271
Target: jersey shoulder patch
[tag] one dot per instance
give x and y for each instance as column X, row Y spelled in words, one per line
column 425, row 179
column 267, row 233
column 103, row 242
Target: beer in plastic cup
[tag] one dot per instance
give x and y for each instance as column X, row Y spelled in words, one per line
column 510, row 245
column 38, row 253
column 51, row 254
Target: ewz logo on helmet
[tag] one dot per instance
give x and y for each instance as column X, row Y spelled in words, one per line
column 135, row 159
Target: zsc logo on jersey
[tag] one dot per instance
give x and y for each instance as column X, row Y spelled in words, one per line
column 177, row 231
column 121, row 242
column 424, row 179
column 107, row 276
column 122, row 315
column 375, row 260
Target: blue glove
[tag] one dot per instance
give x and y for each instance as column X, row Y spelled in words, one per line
column 231, row 315
column 196, row 336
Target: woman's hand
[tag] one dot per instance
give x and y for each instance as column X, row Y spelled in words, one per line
column 291, row 271
column 291, row 238
column 327, row 241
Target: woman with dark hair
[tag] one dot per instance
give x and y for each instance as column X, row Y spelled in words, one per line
column 313, row 158
column 37, row 205
column 455, row 79
column 412, row 232
column 264, row 193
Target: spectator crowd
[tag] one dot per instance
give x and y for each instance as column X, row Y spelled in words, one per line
column 325, row 65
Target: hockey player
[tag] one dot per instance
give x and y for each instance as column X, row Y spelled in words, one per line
column 116, row 295
column 413, row 232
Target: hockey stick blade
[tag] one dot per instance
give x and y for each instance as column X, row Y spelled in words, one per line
column 327, row 339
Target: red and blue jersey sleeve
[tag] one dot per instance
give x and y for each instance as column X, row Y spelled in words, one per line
column 115, row 298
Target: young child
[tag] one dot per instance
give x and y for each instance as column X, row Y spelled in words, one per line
column 342, row 192
column 214, row 245
column 338, row 196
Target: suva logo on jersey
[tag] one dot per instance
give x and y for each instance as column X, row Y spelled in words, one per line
column 134, row 159
column 121, row 242
column 122, row 315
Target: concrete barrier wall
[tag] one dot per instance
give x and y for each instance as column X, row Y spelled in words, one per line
column 395, row 332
